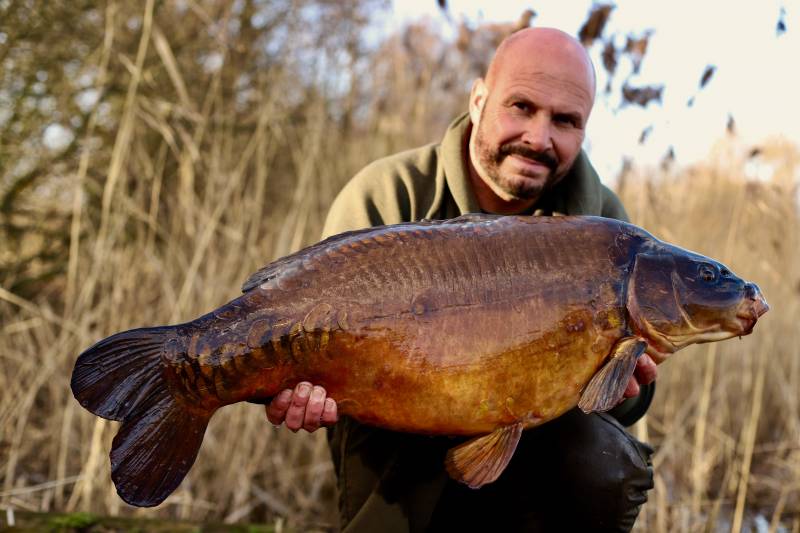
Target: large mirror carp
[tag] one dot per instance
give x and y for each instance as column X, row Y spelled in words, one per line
column 481, row 326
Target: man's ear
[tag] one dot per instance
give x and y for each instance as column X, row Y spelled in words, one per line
column 477, row 99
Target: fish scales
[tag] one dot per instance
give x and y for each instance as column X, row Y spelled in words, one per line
column 438, row 327
column 448, row 349
column 473, row 326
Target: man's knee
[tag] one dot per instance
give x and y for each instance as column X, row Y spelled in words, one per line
column 598, row 472
column 615, row 472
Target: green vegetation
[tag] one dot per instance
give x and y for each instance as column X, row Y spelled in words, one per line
column 79, row 521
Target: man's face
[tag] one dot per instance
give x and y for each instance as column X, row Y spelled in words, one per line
column 530, row 129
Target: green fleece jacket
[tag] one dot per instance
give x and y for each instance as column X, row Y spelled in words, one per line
column 433, row 182
column 429, row 182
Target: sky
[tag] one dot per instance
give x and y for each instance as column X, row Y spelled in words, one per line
column 757, row 79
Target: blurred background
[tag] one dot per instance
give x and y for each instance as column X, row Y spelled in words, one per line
column 154, row 154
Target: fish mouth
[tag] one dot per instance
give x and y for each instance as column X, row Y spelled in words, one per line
column 752, row 309
column 761, row 306
column 746, row 324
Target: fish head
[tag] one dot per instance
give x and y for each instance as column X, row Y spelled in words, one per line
column 677, row 298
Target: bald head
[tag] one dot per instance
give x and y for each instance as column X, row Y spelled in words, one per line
column 528, row 118
column 546, row 51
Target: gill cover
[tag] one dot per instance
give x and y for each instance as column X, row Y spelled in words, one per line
column 651, row 295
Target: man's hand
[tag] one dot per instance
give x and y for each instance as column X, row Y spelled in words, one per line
column 645, row 372
column 306, row 407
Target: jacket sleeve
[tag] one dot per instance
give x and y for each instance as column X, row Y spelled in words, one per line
column 374, row 197
column 631, row 410
column 612, row 206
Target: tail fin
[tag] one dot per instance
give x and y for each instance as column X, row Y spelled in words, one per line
column 121, row 378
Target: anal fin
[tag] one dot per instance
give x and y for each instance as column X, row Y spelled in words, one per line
column 481, row 460
column 607, row 386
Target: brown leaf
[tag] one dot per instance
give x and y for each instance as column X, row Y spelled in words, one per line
column 642, row 95
column 610, row 57
column 524, row 20
column 637, row 48
column 592, row 29
column 707, row 75
column 645, row 133
column 464, row 36
column 668, row 159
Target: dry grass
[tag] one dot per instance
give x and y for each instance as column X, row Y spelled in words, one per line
column 181, row 181
column 725, row 420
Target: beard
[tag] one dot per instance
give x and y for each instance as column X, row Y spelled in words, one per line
column 491, row 159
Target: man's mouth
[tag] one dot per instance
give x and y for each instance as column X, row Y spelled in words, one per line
column 529, row 157
column 531, row 164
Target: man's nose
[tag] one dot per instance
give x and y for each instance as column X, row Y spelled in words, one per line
column 537, row 133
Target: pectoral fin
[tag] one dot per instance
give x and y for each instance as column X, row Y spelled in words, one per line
column 606, row 388
column 481, row 460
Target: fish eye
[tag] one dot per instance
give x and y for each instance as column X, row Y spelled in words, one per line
column 707, row 272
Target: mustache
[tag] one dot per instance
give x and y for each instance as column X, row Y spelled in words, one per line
column 529, row 153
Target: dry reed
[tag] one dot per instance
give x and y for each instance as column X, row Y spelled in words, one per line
column 212, row 149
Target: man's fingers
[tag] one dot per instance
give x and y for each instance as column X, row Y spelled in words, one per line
column 646, row 370
column 632, row 389
column 306, row 407
column 330, row 414
column 316, row 404
column 276, row 409
column 297, row 409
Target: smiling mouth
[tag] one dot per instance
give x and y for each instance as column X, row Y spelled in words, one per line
column 530, row 163
column 528, row 160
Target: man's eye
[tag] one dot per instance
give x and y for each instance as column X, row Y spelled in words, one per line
column 522, row 106
column 565, row 120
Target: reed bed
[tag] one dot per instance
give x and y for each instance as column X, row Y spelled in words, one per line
column 202, row 150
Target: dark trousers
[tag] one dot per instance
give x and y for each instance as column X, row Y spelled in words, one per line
column 576, row 473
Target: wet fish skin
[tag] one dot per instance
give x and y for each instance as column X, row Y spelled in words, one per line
column 437, row 372
column 472, row 326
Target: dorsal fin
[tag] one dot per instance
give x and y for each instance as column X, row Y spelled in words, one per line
column 273, row 269
column 278, row 266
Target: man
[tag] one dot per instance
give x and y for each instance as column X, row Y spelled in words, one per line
column 518, row 151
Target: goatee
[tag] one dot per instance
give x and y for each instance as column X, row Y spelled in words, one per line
column 491, row 159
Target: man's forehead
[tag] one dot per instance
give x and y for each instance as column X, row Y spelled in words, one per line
column 544, row 89
column 562, row 92
column 544, row 53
